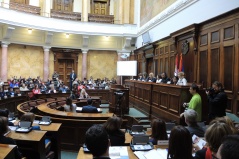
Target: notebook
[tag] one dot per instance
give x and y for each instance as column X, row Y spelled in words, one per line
column 46, row 120
column 24, row 127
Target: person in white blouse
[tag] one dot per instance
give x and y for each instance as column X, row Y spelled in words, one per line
column 181, row 79
column 69, row 107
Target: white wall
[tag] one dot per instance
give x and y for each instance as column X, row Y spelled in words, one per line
column 197, row 12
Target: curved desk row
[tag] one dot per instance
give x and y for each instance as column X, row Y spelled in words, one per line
column 74, row 125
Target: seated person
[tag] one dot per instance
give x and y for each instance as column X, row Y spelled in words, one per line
column 97, row 141
column 165, row 78
column 158, row 79
column 13, row 84
column 84, row 94
column 89, row 108
column 69, row 107
column 112, row 126
column 140, row 77
column 181, row 79
column 151, row 78
column 10, row 92
column 158, row 131
column 174, row 80
column 7, row 140
column 36, row 90
column 191, row 120
column 229, row 148
column 2, row 93
column 52, row 89
column 24, row 87
column 5, row 113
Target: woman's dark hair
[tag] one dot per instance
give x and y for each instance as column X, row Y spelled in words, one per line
column 159, row 130
column 112, row 124
column 69, row 102
column 180, row 135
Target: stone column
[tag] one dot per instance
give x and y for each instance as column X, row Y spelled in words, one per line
column 84, row 11
column 46, row 63
column 4, row 61
column 84, row 64
column 119, row 59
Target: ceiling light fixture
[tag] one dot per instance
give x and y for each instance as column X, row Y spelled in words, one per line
column 29, row 31
column 67, row 35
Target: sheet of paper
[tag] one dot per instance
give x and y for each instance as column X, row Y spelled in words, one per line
column 118, row 152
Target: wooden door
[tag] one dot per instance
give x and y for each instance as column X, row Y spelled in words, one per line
column 63, row 5
column 65, row 66
column 100, row 7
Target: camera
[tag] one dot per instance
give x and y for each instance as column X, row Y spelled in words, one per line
column 119, row 93
column 210, row 90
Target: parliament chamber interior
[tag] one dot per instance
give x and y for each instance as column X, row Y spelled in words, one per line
column 122, row 58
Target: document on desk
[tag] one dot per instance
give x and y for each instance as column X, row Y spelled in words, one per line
column 159, row 153
column 118, row 152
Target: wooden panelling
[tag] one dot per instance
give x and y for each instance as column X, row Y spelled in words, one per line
column 65, row 15
column 228, row 67
column 98, row 18
column 25, row 8
column 203, row 68
column 214, row 65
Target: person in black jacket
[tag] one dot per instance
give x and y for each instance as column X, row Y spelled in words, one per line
column 7, row 140
column 112, row 126
column 217, row 99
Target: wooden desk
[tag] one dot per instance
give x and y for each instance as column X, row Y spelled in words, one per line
column 34, row 141
column 83, row 101
column 7, row 151
column 45, row 110
column 82, row 155
column 53, row 132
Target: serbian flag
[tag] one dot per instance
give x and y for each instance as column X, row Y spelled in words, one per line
column 181, row 69
column 176, row 65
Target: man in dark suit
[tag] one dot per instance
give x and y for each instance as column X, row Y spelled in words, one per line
column 89, row 108
column 72, row 78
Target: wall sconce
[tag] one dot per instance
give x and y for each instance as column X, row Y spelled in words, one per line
column 67, row 35
column 29, row 31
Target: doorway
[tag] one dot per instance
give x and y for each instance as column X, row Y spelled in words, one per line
column 65, row 66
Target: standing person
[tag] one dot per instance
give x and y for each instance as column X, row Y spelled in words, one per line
column 112, row 126
column 72, row 78
column 217, row 100
column 196, row 101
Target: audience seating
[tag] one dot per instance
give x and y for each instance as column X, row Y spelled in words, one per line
column 25, row 8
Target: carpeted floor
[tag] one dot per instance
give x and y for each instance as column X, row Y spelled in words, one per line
column 68, row 155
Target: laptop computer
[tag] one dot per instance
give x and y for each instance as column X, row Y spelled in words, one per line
column 141, row 143
column 24, row 127
column 46, row 120
column 137, row 129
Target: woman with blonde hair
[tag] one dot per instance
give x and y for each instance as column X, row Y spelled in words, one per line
column 181, row 79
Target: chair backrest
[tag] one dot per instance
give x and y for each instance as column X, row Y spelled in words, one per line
column 162, row 142
column 169, row 127
column 137, row 128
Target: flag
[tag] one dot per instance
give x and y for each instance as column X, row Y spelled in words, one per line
column 181, row 69
column 176, row 65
